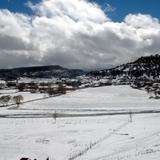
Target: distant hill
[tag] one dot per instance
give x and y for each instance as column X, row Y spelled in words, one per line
column 40, row 72
column 146, row 68
column 143, row 68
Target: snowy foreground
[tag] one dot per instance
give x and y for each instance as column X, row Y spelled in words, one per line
column 118, row 137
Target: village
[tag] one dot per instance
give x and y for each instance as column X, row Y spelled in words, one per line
column 52, row 87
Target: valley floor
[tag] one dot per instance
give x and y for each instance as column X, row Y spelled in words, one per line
column 25, row 132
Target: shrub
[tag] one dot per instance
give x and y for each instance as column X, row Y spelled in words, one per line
column 18, row 99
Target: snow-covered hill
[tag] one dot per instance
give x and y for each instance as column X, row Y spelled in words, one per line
column 143, row 68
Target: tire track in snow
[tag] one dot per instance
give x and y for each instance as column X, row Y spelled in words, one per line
column 91, row 145
column 119, row 155
column 128, row 156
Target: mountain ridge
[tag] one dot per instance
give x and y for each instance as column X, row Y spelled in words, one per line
column 147, row 67
column 48, row 71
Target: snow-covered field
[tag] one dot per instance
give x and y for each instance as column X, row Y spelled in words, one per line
column 110, row 98
column 83, row 138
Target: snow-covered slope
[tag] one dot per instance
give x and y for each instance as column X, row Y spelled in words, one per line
column 143, row 68
column 108, row 98
column 89, row 138
column 118, row 137
column 136, row 140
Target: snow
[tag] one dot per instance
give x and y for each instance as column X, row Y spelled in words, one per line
column 39, row 138
column 137, row 140
column 42, row 137
column 110, row 98
column 26, row 95
column 83, row 138
column 8, row 91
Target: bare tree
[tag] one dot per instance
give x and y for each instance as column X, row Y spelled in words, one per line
column 18, row 100
column 21, row 87
column 61, row 89
column 51, row 91
column 55, row 117
column 5, row 99
column 148, row 89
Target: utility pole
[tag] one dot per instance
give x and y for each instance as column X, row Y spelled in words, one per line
column 130, row 117
column 55, row 117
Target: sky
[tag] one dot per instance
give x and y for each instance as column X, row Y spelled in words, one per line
column 85, row 34
column 121, row 7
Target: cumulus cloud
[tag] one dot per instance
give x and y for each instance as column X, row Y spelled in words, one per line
column 74, row 34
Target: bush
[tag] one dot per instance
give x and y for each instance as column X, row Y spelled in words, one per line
column 21, row 87
column 5, row 99
column 61, row 89
column 18, row 99
column 51, row 91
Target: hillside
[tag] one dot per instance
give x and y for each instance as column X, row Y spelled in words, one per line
column 143, row 68
column 40, row 72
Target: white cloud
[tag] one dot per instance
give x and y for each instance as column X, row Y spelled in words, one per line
column 109, row 8
column 75, row 34
column 77, row 10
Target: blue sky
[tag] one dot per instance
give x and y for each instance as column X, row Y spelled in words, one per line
column 122, row 7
